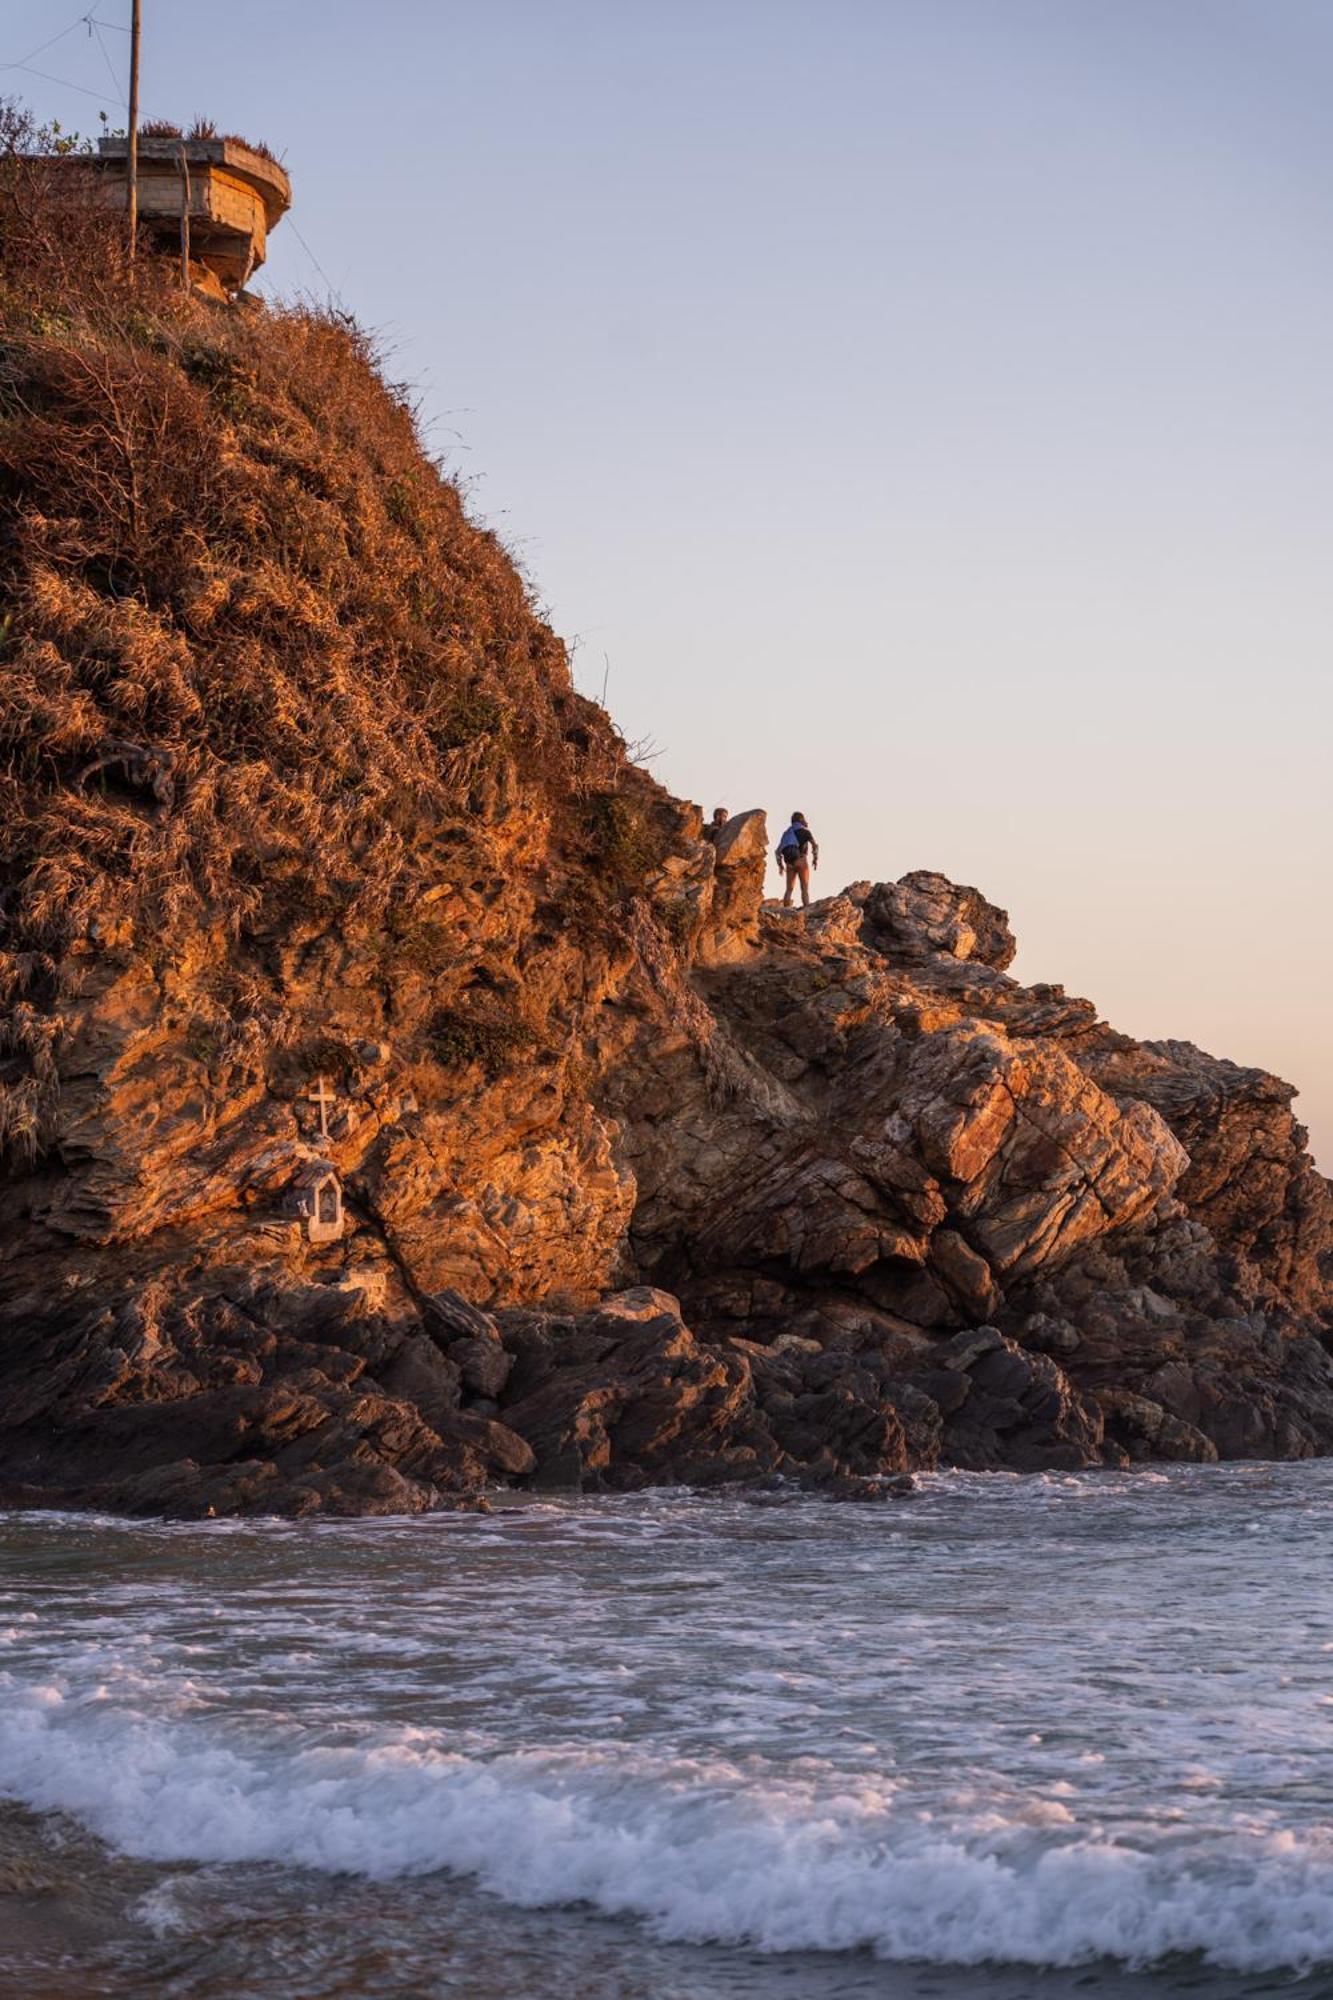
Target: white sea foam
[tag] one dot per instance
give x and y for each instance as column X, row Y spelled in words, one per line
column 700, row 1850
column 1042, row 1721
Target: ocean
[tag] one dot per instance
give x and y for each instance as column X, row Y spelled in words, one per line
column 1009, row 1739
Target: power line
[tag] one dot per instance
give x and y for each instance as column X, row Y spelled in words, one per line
column 106, row 58
column 63, row 81
column 94, row 26
column 111, row 69
column 329, row 285
column 91, row 19
column 41, row 47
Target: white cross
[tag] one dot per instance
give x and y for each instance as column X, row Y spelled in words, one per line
column 323, row 1097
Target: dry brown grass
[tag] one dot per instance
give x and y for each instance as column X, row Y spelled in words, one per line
column 223, row 547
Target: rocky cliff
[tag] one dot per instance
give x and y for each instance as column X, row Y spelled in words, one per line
column 399, row 1095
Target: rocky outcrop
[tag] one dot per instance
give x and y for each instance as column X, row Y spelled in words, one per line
column 399, row 1096
column 740, row 863
column 886, row 1209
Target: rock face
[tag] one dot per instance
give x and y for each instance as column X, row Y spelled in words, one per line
column 886, row 1209
column 740, row 863
column 400, row 1096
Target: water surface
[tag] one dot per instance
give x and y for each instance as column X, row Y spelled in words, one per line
column 1052, row 1737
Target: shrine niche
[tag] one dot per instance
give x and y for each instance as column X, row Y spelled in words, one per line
column 315, row 1198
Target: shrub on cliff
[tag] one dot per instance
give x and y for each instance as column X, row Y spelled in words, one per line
column 252, row 649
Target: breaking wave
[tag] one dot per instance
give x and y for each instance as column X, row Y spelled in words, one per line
column 700, row 1851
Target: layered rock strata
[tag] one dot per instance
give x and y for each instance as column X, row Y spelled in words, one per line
column 842, row 1202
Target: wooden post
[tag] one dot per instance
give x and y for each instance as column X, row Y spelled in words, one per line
column 132, row 157
column 185, row 218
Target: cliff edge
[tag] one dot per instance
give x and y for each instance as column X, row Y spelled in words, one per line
column 399, row 1095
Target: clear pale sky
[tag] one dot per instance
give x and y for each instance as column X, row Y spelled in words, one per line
column 924, row 406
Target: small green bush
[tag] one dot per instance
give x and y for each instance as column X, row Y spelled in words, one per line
column 679, row 921
column 622, row 839
column 462, row 1036
column 472, row 714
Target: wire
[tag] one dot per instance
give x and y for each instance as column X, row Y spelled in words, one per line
column 43, row 46
column 94, row 26
column 329, row 285
column 63, row 81
column 110, row 67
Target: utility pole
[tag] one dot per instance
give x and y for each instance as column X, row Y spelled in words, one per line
column 132, row 157
column 185, row 218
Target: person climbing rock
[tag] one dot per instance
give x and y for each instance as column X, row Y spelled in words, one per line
column 716, row 823
column 797, row 852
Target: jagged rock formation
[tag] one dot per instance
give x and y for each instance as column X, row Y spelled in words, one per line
column 398, row 1093
column 885, row 1208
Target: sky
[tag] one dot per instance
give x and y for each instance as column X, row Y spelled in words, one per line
column 915, row 412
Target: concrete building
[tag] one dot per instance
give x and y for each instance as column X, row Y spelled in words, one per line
column 232, row 195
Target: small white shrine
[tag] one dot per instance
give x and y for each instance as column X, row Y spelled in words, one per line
column 315, row 1198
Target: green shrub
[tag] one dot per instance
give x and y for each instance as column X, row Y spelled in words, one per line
column 679, row 921
column 622, row 839
column 470, row 715
column 462, row 1036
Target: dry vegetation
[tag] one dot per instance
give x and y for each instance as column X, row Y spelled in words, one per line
column 204, row 128
column 252, row 650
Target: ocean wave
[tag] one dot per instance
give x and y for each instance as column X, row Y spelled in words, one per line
column 700, row 1851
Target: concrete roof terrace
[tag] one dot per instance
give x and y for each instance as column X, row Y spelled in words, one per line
column 236, row 196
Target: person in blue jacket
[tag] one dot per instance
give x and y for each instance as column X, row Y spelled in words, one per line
column 797, row 853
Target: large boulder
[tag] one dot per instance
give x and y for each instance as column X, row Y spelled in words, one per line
column 1017, row 1410
column 628, row 1394
column 638, row 1398
column 740, row 863
column 926, row 914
